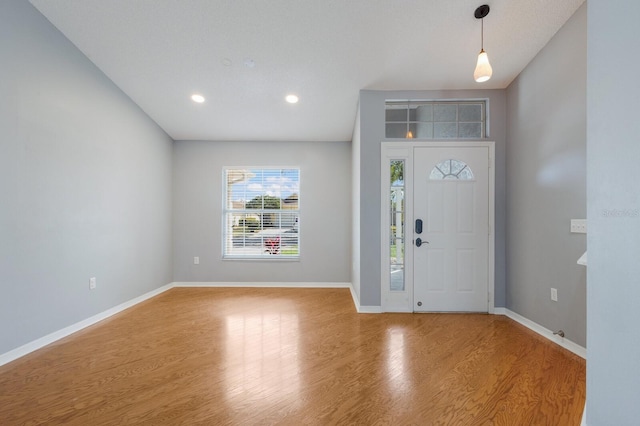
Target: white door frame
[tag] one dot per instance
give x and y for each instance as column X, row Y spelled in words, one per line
column 402, row 301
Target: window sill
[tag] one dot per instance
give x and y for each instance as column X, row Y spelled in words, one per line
column 263, row 258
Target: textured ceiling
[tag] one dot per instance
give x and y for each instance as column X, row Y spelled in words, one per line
column 244, row 56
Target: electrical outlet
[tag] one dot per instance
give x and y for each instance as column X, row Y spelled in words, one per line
column 554, row 294
column 196, row 260
column 579, row 226
column 92, row 283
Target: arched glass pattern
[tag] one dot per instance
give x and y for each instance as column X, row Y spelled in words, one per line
column 451, row 169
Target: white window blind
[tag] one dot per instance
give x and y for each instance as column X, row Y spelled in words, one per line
column 261, row 213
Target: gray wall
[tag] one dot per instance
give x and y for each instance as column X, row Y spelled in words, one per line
column 325, row 210
column 613, row 211
column 85, row 185
column 546, row 183
column 372, row 117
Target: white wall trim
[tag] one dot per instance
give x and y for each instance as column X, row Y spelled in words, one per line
column 363, row 309
column 369, row 310
column 278, row 284
column 354, row 296
column 34, row 345
column 544, row 332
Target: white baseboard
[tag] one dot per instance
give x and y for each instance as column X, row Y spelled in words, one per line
column 369, row 309
column 363, row 309
column 57, row 335
column 278, row 284
column 565, row 343
column 356, row 299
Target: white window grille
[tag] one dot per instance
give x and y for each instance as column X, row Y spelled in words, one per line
column 261, row 217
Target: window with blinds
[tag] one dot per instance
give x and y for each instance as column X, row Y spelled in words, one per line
column 261, row 213
column 406, row 119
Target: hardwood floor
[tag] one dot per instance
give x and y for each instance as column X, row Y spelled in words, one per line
column 253, row 356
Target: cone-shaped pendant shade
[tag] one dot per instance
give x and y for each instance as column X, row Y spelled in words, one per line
column 483, row 68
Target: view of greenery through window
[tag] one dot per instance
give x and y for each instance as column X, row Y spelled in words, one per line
column 262, row 213
column 396, row 243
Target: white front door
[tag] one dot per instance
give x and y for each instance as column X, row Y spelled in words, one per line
column 451, row 229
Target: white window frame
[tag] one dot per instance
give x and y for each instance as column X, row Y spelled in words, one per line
column 265, row 245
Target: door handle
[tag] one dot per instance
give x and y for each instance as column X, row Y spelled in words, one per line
column 418, row 226
column 419, row 242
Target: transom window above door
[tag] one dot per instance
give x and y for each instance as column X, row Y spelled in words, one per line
column 409, row 119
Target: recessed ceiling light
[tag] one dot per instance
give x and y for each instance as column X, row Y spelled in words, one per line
column 197, row 98
column 292, row 99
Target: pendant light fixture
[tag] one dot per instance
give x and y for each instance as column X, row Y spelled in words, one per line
column 409, row 134
column 483, row 68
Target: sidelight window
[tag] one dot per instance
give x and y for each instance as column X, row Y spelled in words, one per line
column 397, row 232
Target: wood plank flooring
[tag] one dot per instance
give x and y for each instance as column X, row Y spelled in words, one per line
column 211, row 356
